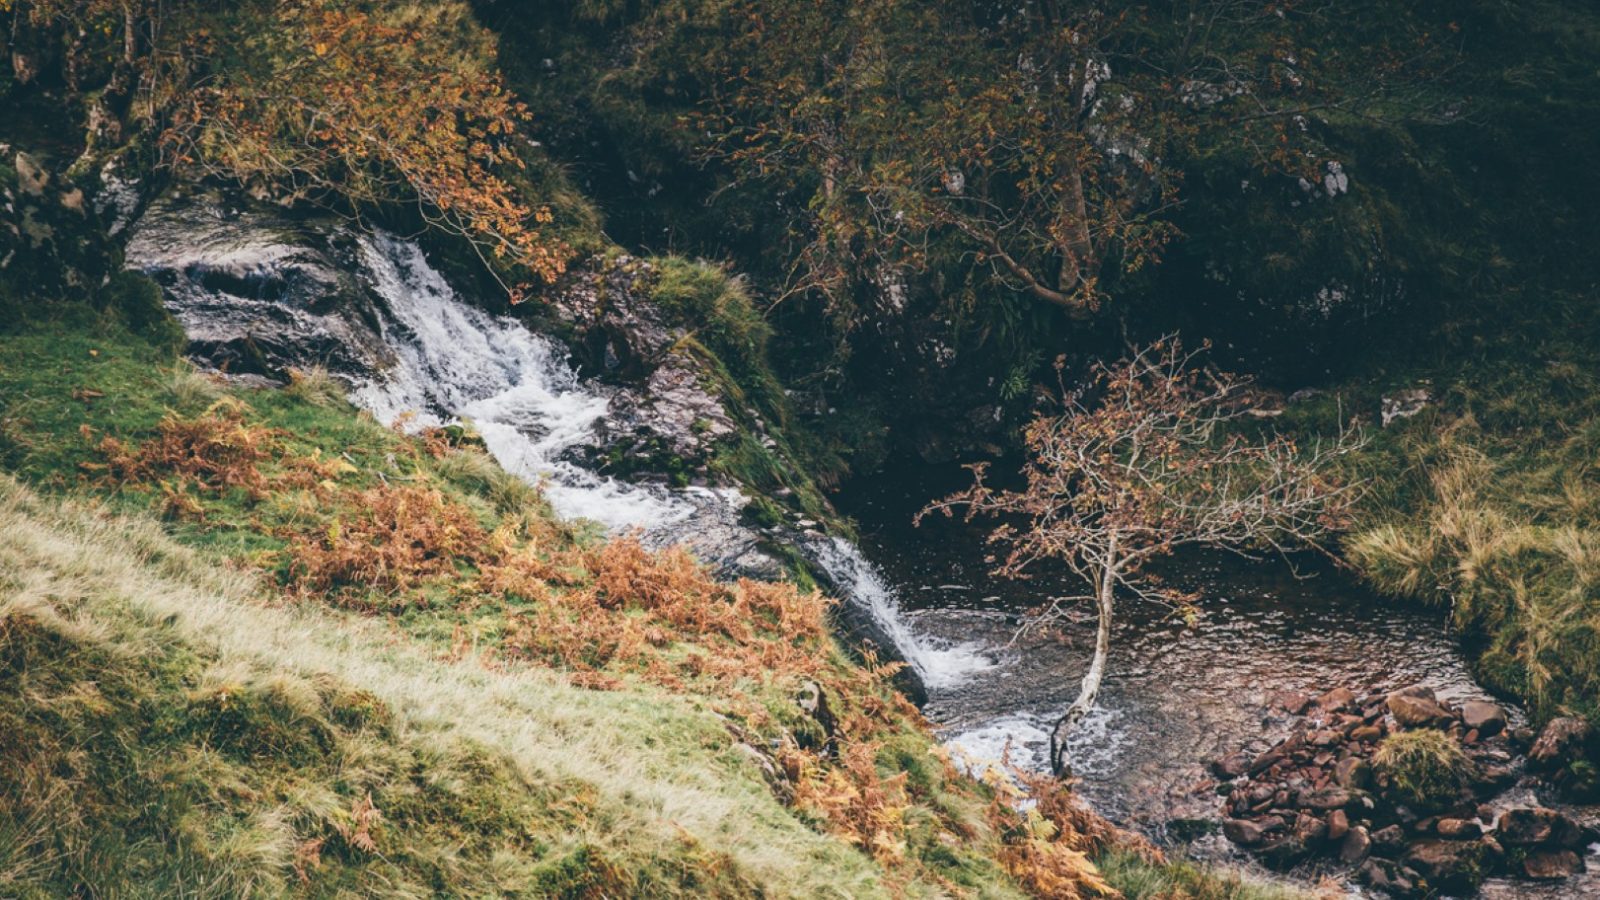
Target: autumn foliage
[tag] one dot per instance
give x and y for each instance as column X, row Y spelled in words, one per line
column 357, row 105
column 361, row 106
column 214, row 453
column 1146, row 457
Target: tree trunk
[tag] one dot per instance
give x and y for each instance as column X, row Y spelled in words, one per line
column 1090, row 688
column 1076, row 245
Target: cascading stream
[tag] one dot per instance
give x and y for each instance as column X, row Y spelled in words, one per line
column 457, row 362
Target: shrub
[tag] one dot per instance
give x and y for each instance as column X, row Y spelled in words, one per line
column 138, row 301
column 1424, row 768
column 395, row 538
column 216, row 451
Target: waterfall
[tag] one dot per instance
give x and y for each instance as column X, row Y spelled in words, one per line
column 863, row 584
column 456, row 361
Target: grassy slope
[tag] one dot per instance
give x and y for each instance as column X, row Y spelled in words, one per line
column 1488, row 503
column 182, row 724
column 171, row 734
column 533, row 770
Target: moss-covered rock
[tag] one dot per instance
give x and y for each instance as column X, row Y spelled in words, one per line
column 1424, row 769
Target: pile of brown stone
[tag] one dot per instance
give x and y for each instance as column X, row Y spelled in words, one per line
column 1317, row 794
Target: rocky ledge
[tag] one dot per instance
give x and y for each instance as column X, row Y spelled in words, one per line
column 1411, row 792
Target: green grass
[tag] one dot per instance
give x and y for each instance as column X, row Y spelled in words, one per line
column 1488, row 504
column 168, row 734
column 1139, row 879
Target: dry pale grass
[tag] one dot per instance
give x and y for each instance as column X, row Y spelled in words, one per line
column 661, row 768
column 315, row 386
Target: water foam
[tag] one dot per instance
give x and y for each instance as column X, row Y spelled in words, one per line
column 457, row 362
column 939, row 665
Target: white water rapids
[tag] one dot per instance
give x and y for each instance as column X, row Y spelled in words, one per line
column 459, row 363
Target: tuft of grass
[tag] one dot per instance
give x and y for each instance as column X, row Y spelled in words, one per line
column 1137, row 877
column 315, row 386
column 191, row 388
column 1488, row 503
column 1424, row 768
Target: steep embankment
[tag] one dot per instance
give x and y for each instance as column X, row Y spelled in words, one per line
column 388, row 664
column 350, row 659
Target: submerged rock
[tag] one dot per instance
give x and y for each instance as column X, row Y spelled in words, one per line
column 1416, row 707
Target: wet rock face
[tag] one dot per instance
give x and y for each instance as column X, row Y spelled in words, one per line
column 1318, row 794
column 259, row 292
column 666, row 413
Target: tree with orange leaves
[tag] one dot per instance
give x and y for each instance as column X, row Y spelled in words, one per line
column 353, row 104
column 349, row 103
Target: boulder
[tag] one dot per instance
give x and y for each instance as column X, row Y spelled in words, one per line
column 1338, row 825
column 1336, row 700
column 1562, row 742
column 1267, row 760
column 1384, row 875
column 1353, row 773
column 1366, row 733
column 1327, row 798
column 1388, row 839
column 1355, row 846
column 1292, row 702
column 1284, row 852
column 1248, row 832
column 1412, row 710
column 1551, row 865
column 1539, row 827
column 1487, row 719
column 1449, row 865
column 1458, row 829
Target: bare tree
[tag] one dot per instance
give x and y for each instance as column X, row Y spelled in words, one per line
column 1143, row 461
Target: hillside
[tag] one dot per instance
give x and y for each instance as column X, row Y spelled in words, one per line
column 424, row 430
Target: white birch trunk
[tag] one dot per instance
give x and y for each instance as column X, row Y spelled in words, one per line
column 1090, row 689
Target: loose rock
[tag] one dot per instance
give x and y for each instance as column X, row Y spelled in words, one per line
column 1487, row 719
column 1413, row 711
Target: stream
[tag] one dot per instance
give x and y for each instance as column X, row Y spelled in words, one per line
column 1176, row 695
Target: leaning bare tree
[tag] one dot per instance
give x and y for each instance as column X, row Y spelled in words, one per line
column 1143, row 461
